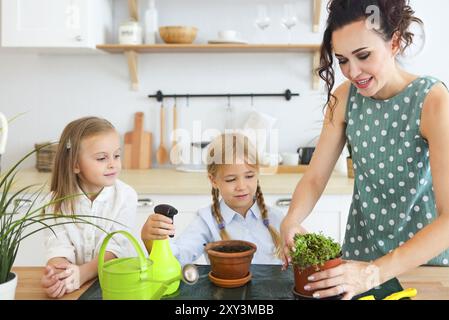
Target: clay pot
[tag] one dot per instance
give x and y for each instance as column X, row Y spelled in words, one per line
column 302, row 275
column 230, row 259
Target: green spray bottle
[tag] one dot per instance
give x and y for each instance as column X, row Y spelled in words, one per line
column 165, row 265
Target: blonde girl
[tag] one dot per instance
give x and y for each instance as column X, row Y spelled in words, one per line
column 86, row 168
column 238, row 209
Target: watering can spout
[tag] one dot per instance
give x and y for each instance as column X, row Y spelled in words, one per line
column 189, row 275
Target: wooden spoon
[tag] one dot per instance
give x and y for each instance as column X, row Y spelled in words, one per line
column 162, row 154
column 175, row 125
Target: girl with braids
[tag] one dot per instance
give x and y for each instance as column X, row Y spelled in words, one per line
column 238, row 209
column 396, row 125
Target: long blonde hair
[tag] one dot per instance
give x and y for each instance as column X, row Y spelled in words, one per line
column 64, row 181
column 236, row 148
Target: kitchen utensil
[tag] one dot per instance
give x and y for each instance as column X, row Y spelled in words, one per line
column 258, row 127
column 3, row 135
column 138, row 146
column 229, row 117
column 134, row 278
column 175, row 149
column 199, row 153
column 305, row 154
column 289, row 19
column 228, row 36
column 221, row 41
column 178, row 34
column 290, row 159
column 175, row 124
column 262, row 20
column 162, row 154
column 271, row 159
column 407, row 293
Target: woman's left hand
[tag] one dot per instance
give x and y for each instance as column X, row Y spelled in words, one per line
column 349, row 278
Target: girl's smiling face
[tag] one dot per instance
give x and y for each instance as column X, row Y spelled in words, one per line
column 365, row 58
column 237, row 184
column 99, row 161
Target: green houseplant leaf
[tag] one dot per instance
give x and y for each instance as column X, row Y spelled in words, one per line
column 313, row 249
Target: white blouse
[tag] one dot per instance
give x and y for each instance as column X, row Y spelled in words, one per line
column 80, row 242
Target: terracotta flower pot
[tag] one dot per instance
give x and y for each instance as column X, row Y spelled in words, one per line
column 230, row 259
column 302, row 275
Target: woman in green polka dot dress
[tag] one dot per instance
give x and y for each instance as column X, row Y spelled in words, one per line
column 397, row 126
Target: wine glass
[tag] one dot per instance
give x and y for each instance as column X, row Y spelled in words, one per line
column 289, row 19
column 262, row 19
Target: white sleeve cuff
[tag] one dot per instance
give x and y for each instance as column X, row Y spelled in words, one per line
column 62, row 252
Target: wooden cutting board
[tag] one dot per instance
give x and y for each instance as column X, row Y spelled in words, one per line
column 137, row 153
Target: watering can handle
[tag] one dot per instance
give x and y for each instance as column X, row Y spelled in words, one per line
column 141, row 255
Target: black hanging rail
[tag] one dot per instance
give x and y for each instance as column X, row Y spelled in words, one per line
column 287, row 95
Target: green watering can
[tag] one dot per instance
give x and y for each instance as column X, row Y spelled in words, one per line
column 132, row 278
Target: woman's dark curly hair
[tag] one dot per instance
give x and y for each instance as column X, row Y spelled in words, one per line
column 395, row 17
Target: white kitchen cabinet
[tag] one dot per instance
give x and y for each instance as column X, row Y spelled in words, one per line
column 55, row 23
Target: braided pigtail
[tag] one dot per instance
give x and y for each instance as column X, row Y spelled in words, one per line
column 217, row 214
column 273, row 232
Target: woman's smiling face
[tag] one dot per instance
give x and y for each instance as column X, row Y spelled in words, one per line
column 365, row 58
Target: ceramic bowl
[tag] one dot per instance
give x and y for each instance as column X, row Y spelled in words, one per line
column 178, row 34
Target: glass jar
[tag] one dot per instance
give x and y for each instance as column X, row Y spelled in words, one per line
column 130, row 32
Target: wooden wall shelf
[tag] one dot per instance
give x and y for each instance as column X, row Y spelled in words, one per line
column 198, row 48
column 132, row 51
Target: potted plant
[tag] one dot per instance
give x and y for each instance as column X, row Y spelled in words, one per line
column 230, row 261
column 312, row 253
column 18, row 223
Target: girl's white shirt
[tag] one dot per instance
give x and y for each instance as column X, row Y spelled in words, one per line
column 79, row 243
column 189, row 246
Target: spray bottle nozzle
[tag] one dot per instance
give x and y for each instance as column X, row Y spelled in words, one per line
column 166, row 210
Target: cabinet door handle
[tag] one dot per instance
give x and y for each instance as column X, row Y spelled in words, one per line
column 78, row 38
column 144, row 203
column 283, row 202
column 24, row 203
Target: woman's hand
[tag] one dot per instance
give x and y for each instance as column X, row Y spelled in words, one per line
column 289, row 227
column 157, row 227
column 349, row 278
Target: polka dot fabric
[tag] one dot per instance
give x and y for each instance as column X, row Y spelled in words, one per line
column 393, row 195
